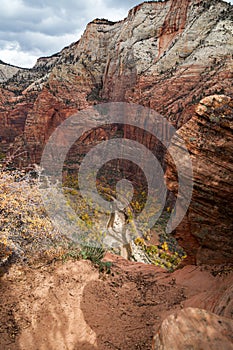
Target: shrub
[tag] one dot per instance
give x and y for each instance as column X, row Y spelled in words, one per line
column 25, row 228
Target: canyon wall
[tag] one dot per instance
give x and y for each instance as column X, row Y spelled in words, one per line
column 206, row 231
column 165, row 55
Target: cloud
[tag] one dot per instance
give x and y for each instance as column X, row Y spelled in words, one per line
column 33, row 28
column 13, row 54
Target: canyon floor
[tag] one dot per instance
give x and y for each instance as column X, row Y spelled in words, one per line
column 71, row 305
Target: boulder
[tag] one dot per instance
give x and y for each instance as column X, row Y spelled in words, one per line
column 195, row 329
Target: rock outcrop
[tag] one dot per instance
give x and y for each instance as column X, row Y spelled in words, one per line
column 206, row 231
column 196, row 329
column 164, row 55
column 7, row 71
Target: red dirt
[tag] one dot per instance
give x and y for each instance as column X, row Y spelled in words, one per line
column 70, row 306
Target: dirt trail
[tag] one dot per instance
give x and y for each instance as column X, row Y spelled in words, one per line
column 70, row 306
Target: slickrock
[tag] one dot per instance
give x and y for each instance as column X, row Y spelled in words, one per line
column 195, row 329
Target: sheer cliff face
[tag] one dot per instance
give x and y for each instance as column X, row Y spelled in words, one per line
column 165, row 55
column 206, row 231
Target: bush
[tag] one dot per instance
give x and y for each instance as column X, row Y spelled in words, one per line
column 25, row 229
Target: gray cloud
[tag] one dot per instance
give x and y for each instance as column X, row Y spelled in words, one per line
column 33, row 28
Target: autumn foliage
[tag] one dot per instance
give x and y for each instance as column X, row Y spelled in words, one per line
column 25, row 229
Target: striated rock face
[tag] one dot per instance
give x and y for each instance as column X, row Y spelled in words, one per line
column 165, row 55
column 206, row 231
column 168, row 56
column 193, row 328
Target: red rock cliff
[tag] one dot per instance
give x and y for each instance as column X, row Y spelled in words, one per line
column 206, row 231
column 165, row 55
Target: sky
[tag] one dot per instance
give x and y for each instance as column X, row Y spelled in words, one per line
column 30, row 29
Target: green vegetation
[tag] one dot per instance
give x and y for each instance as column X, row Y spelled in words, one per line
column 25, row 228
column 161, row 255
column 27, row 231
column 86, row 252
column 167, row 253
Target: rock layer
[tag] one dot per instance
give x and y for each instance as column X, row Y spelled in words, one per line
column 206, row 231
column 163, row 55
